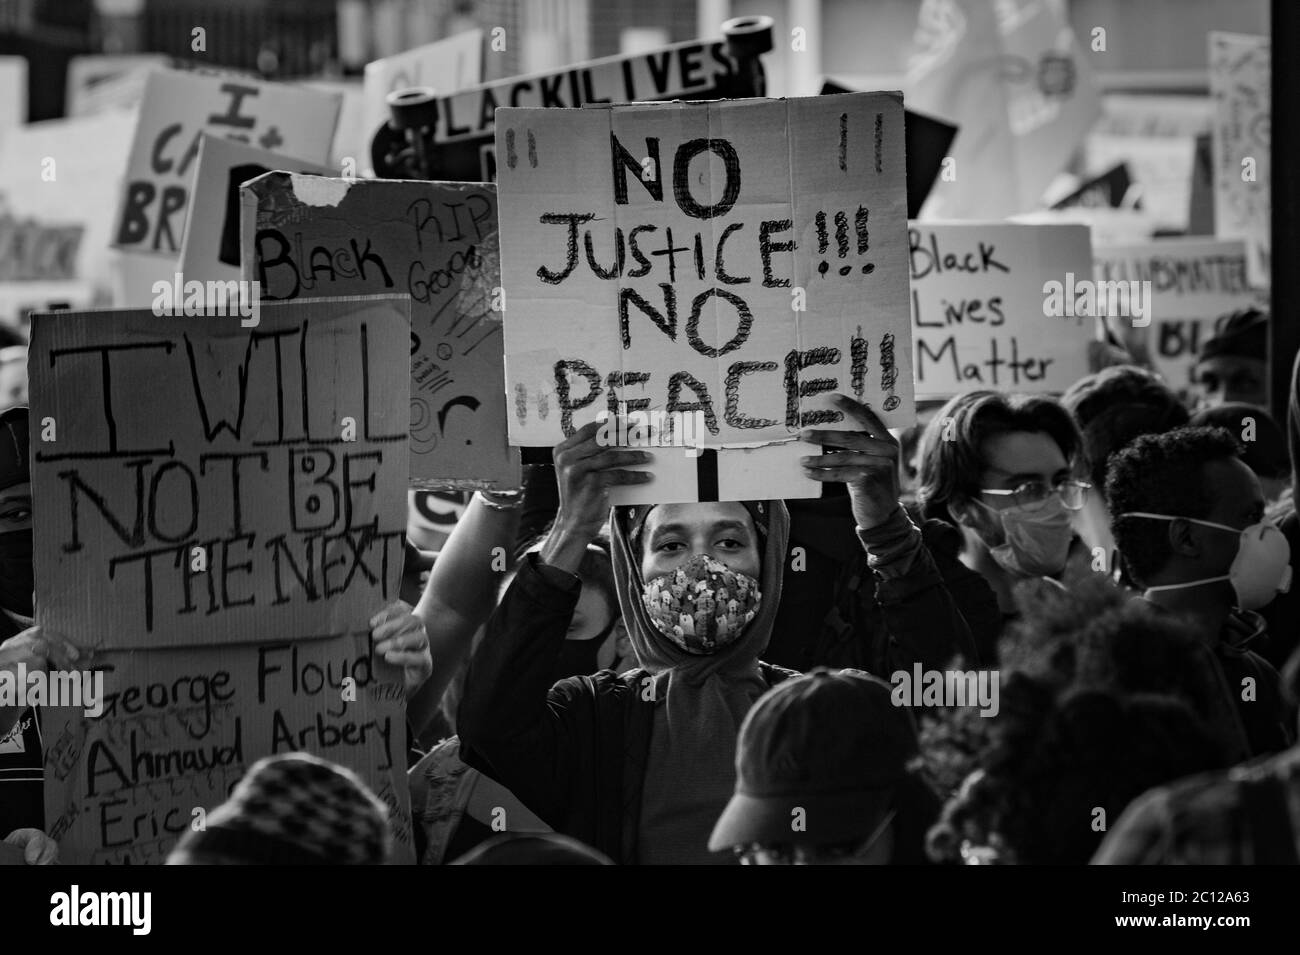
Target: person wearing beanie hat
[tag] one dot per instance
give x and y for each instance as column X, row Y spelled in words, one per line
column 1232, row 366
column 822, row 777
column 294, row 809
column 639, row 765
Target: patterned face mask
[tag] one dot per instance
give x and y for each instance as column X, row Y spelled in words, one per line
column 702, row 606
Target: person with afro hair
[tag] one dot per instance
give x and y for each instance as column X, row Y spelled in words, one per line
column 1057, row 770
column 1188, row 519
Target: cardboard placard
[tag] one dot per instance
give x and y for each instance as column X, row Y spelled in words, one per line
column 32, row 251
column 207, row 483
column 926, row 143
column 1193, row 283
column 1160, row 165
column 740, row 259
column 212, row 234
column 1240, row 68
column 66, row 172
column 97, row 82
column 176, row 108
column 180, row 727
column 446, row 65
column 306, row 237
column 978, row 307
column 467, row 120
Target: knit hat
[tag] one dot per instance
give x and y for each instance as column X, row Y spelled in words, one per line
column 1241, row 334
column 295, row 809
column 15, row 466
column 825, row 750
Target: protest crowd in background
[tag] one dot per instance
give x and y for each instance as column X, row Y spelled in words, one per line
column 623, row 489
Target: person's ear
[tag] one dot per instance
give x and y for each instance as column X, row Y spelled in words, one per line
column 966, row 512
column 1183, row 540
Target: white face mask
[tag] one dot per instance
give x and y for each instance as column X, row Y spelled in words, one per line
column 1261, row 569
column 1036, row 542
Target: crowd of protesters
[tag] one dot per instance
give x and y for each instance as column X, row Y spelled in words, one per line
column 720, row 682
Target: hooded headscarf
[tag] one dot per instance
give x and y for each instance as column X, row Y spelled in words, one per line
column 704, row 699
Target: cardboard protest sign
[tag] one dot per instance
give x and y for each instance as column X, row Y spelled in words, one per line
column 1240, row 68
column 1160, row 165
column 209, row 483
column 346, row 155
column 306, row 237
column 177, row 107
column 466, row 124
column 61, row 175
column 736, row 260
column 180, row 727
column 447, row 66
column 18, row 300
column 211, row 246
column 925, row 144
column 981, row 313
column 97, row 82
column 1192, row 283
column 32, row 251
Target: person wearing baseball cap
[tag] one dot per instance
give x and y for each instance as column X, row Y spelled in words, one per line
column 822, row 777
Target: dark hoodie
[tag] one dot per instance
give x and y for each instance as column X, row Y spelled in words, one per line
column 578, row 752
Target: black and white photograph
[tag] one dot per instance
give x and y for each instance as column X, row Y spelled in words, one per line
column 648, row 433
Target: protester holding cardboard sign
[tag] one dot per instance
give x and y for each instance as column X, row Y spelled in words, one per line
column 699, row 588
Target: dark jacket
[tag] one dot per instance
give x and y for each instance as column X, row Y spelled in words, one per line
column 574, row 752
column 837, row 613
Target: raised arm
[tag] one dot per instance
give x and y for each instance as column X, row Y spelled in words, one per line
column 923, row 622
column 513, row 723
column 462, row 592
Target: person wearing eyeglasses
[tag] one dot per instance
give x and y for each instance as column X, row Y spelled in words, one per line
column 1002, row 469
